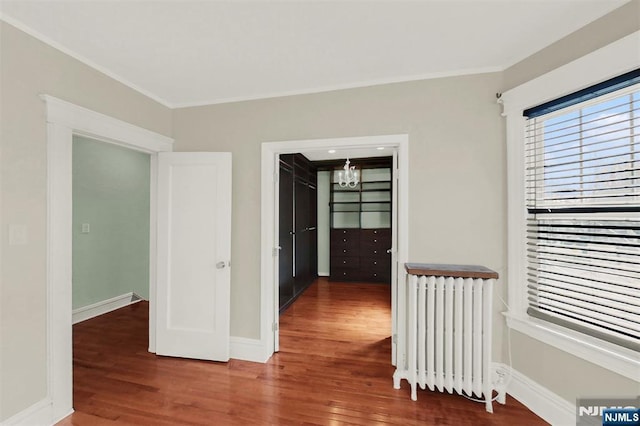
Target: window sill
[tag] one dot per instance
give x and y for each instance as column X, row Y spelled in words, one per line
column 604, row 354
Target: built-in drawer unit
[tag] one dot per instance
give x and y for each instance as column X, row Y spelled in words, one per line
column 360, row 255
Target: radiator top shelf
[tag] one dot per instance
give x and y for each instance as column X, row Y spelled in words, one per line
column 456, row 271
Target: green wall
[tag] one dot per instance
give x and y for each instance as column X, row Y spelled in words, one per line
column 111, row 194
column 323, row 222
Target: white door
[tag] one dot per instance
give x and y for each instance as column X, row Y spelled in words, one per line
column 276, row 257
column 394, row 259
column 194, row 252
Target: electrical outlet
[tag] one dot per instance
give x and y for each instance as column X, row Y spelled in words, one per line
column 85, row 228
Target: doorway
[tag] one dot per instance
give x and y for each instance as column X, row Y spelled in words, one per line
column 270, row 214
column 111, row 206
column 64, row 120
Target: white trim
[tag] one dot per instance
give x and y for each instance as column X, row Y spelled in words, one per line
column 247, row 349
column 324, row 274
column 549, row 406
column 600, row 65
column 620, row 360
column 64, row 120
column 153, row 249
column 59, row 271
column 270, row 151
column 104, row 306
column 89, row 123
column 37, row 414
column 50, row 42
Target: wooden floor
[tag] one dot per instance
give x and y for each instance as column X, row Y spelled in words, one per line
column 333, row 369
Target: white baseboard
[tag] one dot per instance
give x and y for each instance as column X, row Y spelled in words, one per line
column 323, row 274
column 37, row 414
column 247, row 349
column 544, row 403
column 101, row 308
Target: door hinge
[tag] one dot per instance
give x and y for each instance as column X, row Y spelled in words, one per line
column 276, row 177
column 276, row 251
column 394, row 339
column 274, row 326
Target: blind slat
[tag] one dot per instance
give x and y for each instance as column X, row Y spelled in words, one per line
column 628, row 302
column 581, row 265
column 585, row 279
column 623, row 321
column 582, row 170
column 592, row 316
column 532, row 151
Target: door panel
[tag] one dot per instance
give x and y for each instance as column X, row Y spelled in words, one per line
column 301, row 245
column 302, row 261
column 313, row 231
column 285, row 257
column 194, row 251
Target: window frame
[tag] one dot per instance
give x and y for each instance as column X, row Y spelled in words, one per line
column 605, row 63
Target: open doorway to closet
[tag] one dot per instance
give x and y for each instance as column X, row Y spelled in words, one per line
column 331, row 227
column 396, row 147
column 111, row 199
column 335, row 240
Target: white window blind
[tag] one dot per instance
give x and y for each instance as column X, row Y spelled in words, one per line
column 583, row 215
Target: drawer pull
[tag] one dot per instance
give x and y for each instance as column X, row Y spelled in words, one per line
column 375, row 263
column 375, row 241
column 344, row 239
column 344, row 251
column 344, row 262
column 375, row 252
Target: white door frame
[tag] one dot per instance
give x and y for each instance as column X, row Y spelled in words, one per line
column 64, row 120
column 269, row 225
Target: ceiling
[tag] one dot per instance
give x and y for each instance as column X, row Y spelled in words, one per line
column 186, row 53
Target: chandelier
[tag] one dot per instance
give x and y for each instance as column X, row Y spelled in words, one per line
column 348, row 177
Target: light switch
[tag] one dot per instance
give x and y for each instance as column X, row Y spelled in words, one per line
column 85, row 228
column 18, row 235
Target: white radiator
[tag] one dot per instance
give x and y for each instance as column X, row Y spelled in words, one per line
column 447, row 332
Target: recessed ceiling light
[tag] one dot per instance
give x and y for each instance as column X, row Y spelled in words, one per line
column 380, row 148
column 332, row 151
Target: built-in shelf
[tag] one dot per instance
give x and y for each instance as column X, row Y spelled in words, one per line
column 365, row 206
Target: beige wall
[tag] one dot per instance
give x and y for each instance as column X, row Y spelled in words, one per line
column 29, row 68
column 566, row 375
column 611, row 27
column 457, row 166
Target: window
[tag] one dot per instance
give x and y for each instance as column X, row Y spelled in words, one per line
column 583, row 212
column 573, row 218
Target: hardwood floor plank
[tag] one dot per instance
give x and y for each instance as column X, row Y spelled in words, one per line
column 334, row 368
